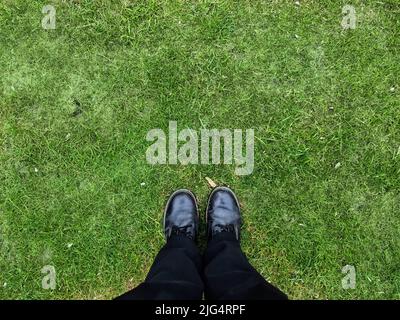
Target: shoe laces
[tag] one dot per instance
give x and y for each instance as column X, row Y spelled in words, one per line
column 182, row 231
column 225, row 228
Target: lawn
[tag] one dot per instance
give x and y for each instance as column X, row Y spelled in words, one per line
column 76, row 103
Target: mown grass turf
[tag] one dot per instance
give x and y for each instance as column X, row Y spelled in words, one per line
column 76, row 104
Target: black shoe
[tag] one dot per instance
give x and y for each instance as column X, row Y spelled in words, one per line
column 181, row 215
column 223, row 213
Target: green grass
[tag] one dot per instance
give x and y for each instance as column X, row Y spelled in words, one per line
column 315, row 94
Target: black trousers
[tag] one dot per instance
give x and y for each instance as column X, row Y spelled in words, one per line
column 179, row 272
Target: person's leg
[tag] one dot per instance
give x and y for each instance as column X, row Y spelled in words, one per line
column 227, row 273
column 175, row 273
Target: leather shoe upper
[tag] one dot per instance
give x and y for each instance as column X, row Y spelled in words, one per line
column 181, row 215
column 223, row 212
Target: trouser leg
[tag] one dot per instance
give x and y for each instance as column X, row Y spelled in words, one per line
column 229, row 275
column 175, row 274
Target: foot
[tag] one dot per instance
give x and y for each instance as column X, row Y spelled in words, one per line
column 181, row 216
column 223, row 213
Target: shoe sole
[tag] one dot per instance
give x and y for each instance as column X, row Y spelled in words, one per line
column 190, row 193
